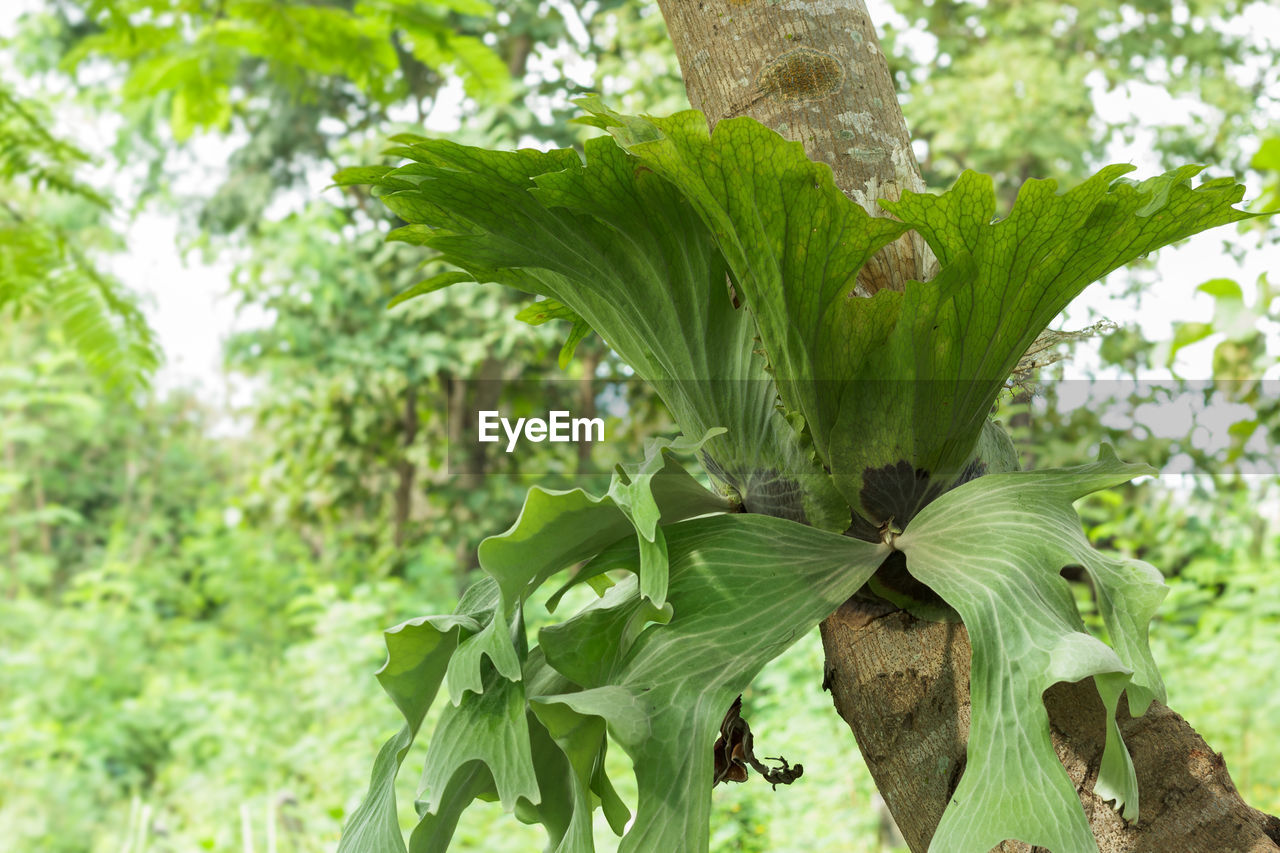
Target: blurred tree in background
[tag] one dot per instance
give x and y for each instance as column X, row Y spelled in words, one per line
column 191, row 598
column 1009, row 89
column 50, row 223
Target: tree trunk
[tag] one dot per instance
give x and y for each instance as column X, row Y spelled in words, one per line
column 814, row 72
column 902, row 685
column 587, row 400
column 15, row 544
column 468, row 461
column 405, row 468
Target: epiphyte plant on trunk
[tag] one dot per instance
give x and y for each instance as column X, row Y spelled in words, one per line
column 836, row 429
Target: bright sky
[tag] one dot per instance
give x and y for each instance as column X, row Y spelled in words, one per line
column 192, row 315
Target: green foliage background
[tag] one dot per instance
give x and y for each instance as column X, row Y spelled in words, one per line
column 190, row 614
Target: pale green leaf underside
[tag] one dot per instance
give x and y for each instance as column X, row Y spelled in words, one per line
column 554, row 531
column 418, row 656
column 743, row 589
column 993, row 549
column 557, row 529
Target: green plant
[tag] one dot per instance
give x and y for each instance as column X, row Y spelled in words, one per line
column 815, row 413
column 49, row 219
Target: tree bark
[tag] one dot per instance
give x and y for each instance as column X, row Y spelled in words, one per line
column 902, row 685
column 405, row 468
column 15, row 544
column 587, row 400
column 814, row 72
